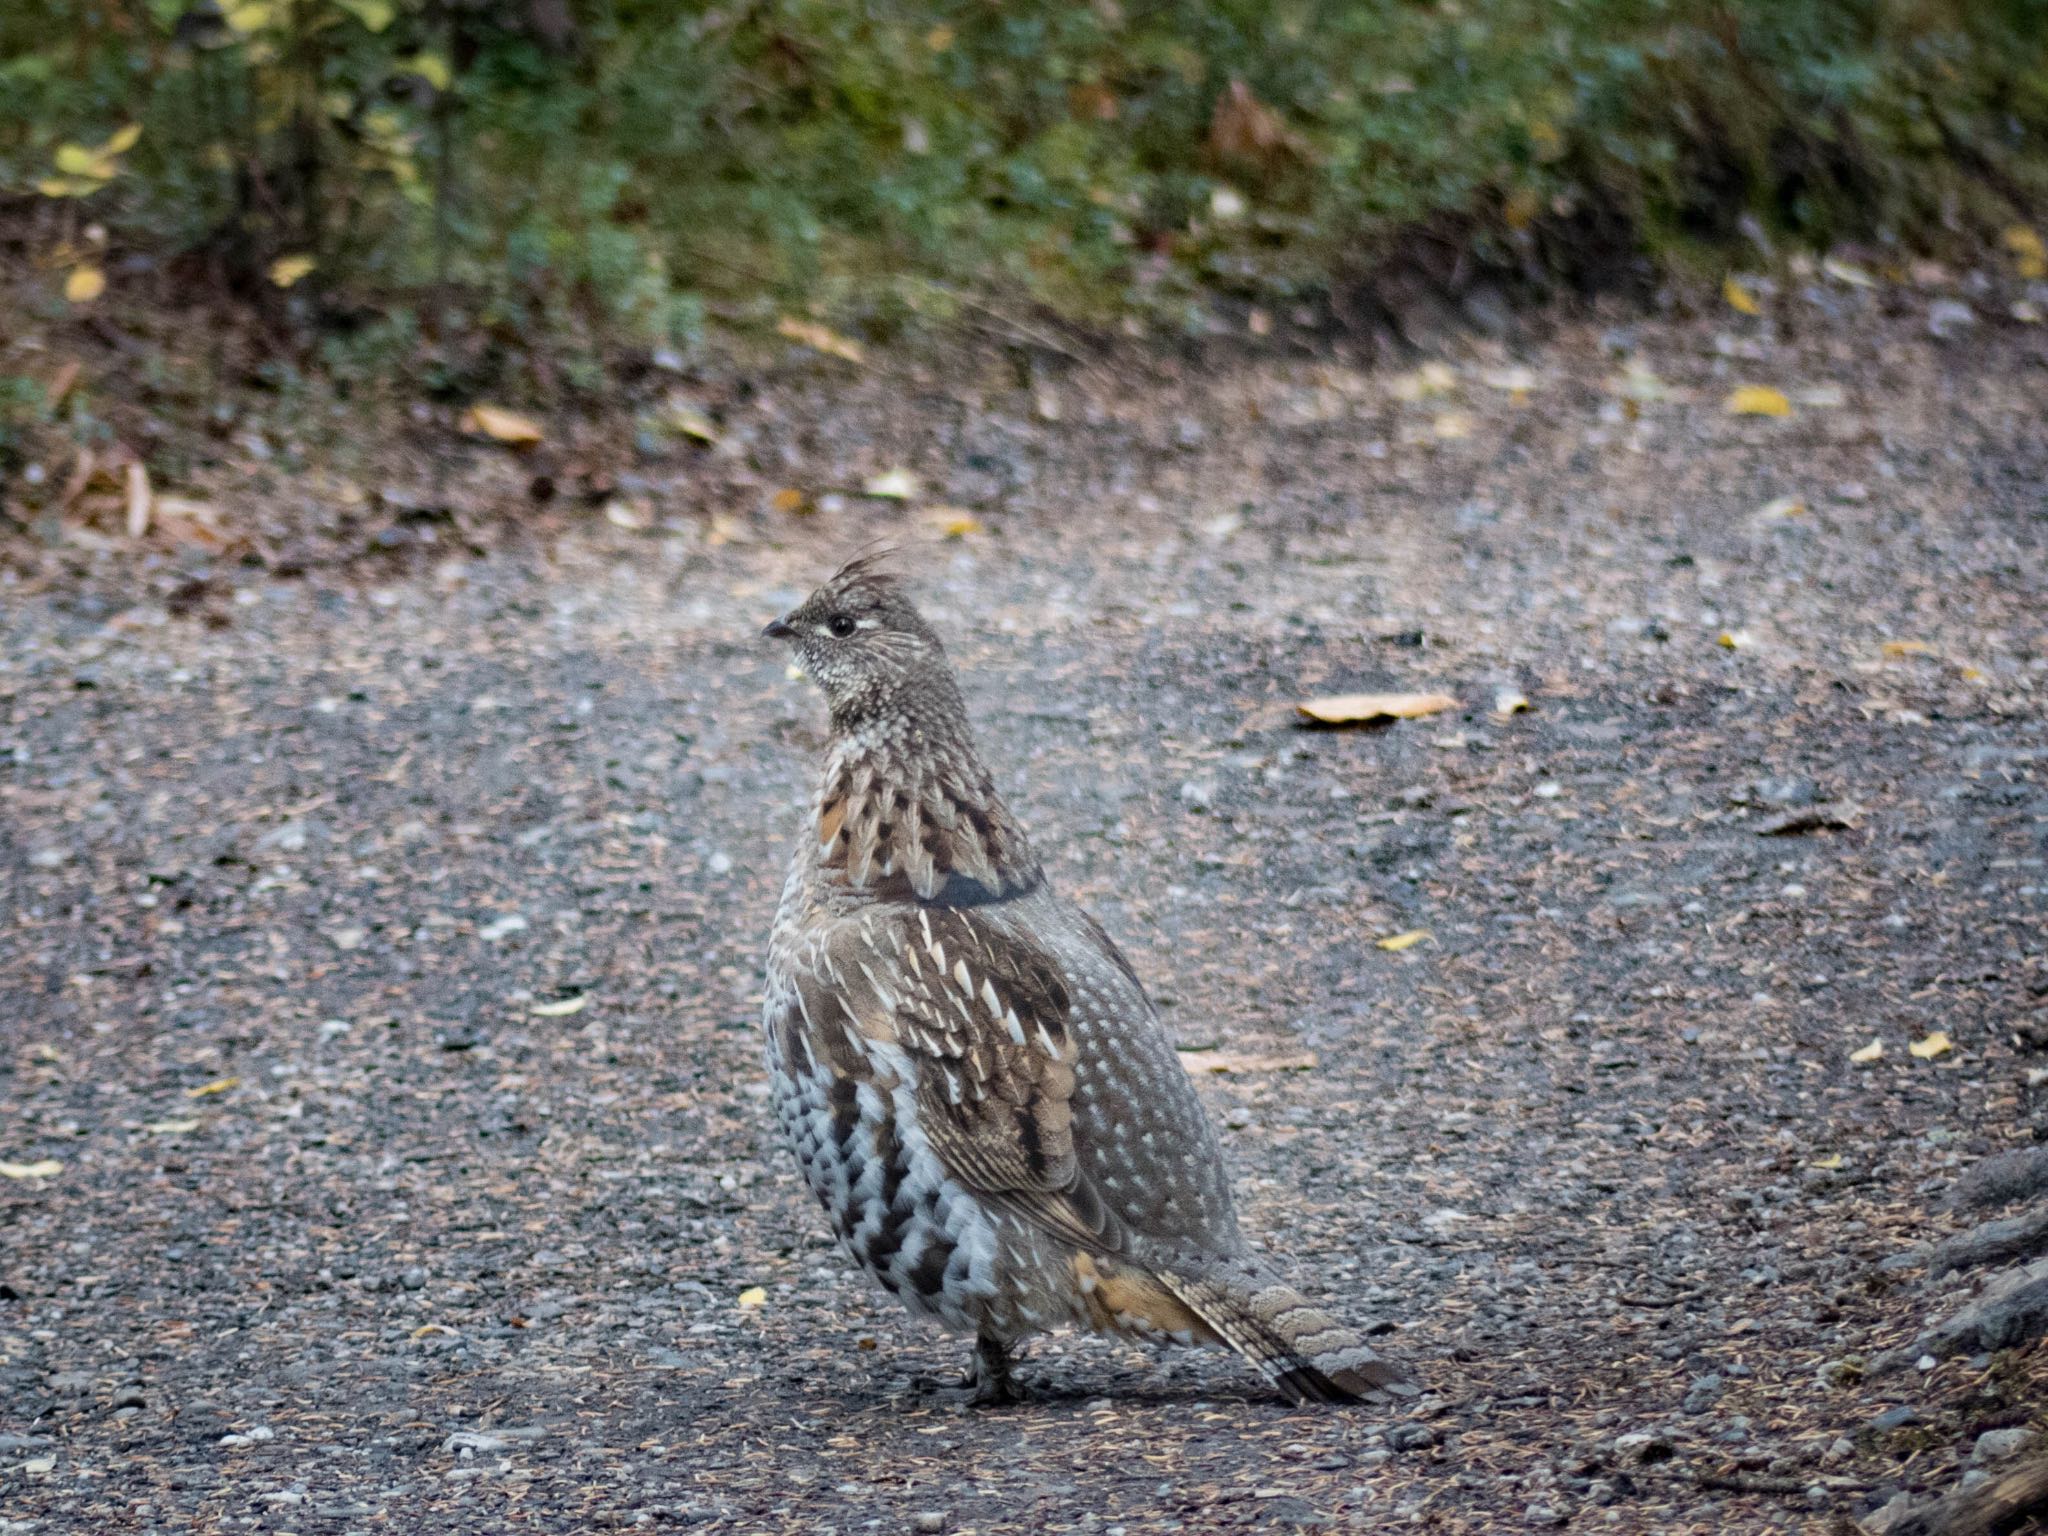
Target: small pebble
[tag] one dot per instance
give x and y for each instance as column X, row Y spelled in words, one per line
column 2000, row 1444
column 1411, row 1437
column 928, row 1520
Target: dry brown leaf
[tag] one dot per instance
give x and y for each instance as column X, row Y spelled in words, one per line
column 502, row 426
column 1245, row 129
column 1358, row 708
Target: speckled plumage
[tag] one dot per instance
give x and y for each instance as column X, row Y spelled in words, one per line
column 976, row 1085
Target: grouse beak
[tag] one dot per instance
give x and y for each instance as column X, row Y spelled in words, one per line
column 777, row 629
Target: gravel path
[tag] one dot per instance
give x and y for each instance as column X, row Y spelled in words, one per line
column 379, row 952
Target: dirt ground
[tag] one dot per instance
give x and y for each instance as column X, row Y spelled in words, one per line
column 380, row 935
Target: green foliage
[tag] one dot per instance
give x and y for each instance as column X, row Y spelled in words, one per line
column 618, row 159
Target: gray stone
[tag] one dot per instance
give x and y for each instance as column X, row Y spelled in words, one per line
column 1411, row 1436
column 1706, row 1391
column 1949, row 317
column 2002, row 1444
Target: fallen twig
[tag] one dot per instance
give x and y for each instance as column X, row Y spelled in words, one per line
column 1990, row 1509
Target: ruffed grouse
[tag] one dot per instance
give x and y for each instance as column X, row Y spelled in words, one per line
column 975, row 1082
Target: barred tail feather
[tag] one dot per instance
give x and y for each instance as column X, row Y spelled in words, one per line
column 1301, row 1349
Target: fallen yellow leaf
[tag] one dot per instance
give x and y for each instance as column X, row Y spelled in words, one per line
column 1732, row 640
column 1936, row 1044
column 208, row 1090
column 1400, row 941
column 432, row 68
column 1783, row 506
column 820, row 339
column 1453, row 426
column 789, row 500
column 562, row 1009
column 952, row 522
column 1845, row 272
column 48, row 1168
column 1906, row 648
column 287, row 270
column 1869, row 1053
column 1357, row 708
column 426, row 1328
column 753, row 1296
column 77, row 160
column 123, row 140
column 1758, row 400
column 1739, row 298
column 501, row 425
column 2029, row 254
column 1830, row 1162
column 85, row 284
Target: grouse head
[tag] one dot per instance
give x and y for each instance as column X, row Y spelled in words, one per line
column 858, row 638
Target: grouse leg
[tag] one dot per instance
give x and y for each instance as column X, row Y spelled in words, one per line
column 990, row 1378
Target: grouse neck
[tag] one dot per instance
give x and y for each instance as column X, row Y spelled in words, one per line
column 907, row 811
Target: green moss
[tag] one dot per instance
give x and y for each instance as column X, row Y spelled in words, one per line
column 662, row 154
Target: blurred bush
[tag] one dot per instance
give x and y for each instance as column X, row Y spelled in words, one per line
column 627, row 160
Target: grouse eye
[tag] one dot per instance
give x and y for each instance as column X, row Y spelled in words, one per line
column 840, row 625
